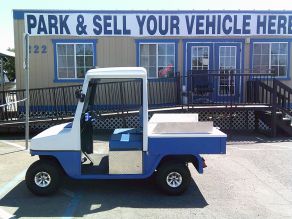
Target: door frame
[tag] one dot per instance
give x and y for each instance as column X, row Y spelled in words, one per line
column 189, row 62
column 238, row 81
column 212, row 43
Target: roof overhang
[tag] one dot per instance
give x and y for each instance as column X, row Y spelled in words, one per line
column 7, row 54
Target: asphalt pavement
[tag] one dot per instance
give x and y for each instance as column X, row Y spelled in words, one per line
column 253, row 180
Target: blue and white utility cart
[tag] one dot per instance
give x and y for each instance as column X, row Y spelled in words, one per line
column 162, row 146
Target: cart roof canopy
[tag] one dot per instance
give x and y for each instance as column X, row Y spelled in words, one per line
column 117, row 72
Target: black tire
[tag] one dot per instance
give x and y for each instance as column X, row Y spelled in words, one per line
column 50, row 171
column 178, row 170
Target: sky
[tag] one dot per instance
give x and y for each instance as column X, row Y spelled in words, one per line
column 6, row 7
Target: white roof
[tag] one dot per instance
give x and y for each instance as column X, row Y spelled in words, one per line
column 117, row 72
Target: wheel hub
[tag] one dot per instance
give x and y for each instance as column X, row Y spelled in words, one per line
column 42, row 179
column 174, row 179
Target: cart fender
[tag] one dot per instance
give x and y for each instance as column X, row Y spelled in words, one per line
column 154, row 162
column 68, row 160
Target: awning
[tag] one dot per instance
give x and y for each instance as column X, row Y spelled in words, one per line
column 4, row 53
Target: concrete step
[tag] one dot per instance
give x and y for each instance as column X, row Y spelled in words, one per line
column 282, row 123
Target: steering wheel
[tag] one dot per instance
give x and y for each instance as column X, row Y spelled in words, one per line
column 90, row 116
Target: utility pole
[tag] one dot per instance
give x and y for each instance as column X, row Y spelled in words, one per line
column 2, row 74
column 3, row 88
column 26, row 73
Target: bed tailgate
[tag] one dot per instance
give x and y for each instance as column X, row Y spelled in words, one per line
column 205, row 143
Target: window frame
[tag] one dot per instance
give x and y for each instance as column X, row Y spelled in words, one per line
column 156, row 42
column 192, row 56
column 56, row 42
column 231, row 79
column 270, row 42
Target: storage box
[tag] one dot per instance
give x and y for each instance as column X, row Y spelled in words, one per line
column 183, row 127
column 125, row 153
column 125, row 162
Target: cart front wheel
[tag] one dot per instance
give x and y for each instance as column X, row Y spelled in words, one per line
column 173, row 178
column 43, row 177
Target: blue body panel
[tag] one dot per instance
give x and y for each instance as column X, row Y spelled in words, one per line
column 69, row 160
column 151, row 161
column 191, row 145
column 158, row 148
column 71, row 163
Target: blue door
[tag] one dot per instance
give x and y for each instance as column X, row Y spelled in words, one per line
column 199, row 66
column 227, row 64
column 213, row 66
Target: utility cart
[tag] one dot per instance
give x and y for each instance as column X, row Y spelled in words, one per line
column 162, row 146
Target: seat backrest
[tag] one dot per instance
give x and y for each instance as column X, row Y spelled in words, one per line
column 87, row 137
column 198, row 79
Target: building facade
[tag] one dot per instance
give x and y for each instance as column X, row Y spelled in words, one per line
column 65, row 44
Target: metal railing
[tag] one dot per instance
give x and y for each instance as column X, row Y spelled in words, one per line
column 224, row 88
column 126, row 95
column 60, row 102
column 283, row 97
column 53, row 102
column 198, row 88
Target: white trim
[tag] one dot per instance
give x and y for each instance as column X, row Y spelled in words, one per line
column 75, row 66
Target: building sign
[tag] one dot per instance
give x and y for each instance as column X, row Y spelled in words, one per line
column 155, row 24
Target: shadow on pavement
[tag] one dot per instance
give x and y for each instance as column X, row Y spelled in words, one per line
column 253, row 138
column 105, row 194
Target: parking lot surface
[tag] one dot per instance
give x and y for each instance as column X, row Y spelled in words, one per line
column 253, row 180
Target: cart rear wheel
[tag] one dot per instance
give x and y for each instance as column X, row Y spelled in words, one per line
column 173, row 178
column 43, row 177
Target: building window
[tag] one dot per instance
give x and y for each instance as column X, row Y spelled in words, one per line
column 74, row 59
column 158, row 59
column 271, row 58
column 227, row 65
column 200, row 57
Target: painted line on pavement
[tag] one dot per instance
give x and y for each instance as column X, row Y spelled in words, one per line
column 13, row 144
column 72, row 206
column 4, row 190
column 11, row 184
column 67, row 192
column 6, row 215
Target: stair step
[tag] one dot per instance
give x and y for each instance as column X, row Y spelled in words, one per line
column 283, row 124
column 287, row 121
column 279, row 114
